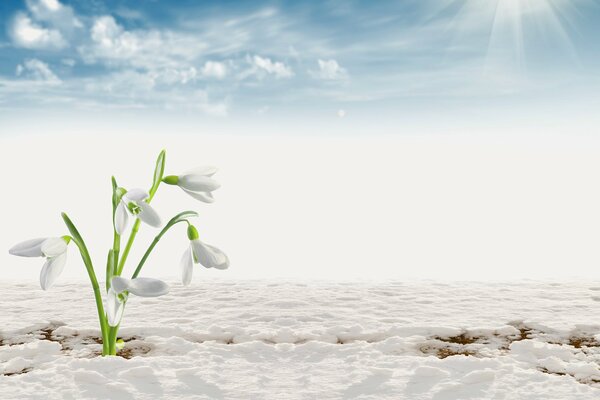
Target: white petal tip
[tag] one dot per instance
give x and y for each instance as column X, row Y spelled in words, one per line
column 119, row 284
column 28, row 248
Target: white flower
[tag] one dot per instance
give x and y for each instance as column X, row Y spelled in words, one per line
column 114, row 308
column 200, row 253
column 198, row 183
column 55, row 251
column 134, row 202
column 143, row 287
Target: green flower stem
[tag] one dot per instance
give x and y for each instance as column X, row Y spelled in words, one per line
column 176, row 219
column 109, row 268
column 112, row 340
column 116, row 250
column 132, row 235
column 87, row 261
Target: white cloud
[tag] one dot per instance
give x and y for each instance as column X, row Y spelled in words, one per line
column 26, row 33
column 60, row 16
column 279, row 69
column 149, row 49
column 131, row 88
column 214, row 69
column 329, row 70
column 170, row 76
column 35, row 69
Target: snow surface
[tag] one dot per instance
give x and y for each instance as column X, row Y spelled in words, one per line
column 222, row 339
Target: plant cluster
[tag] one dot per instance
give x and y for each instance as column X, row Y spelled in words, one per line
column 198, row 183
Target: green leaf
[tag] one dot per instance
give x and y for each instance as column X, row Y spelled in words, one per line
column 115, row 200
column 72, row 229
column 159, row 171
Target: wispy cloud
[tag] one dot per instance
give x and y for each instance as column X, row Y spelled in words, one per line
column 36, row 70
column 329, row 70
column 218, row 58
column 261, row 65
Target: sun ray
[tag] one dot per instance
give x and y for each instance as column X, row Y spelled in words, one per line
column 512, row 34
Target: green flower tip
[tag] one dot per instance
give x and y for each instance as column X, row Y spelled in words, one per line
column 171, row 179
column 192, row 232
column 67, row 239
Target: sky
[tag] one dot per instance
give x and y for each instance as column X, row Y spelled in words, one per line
column 446, row 139
column 426, row 65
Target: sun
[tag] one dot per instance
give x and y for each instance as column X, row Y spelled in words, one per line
column 515, row 32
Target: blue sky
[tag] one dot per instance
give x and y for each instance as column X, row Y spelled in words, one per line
column 393, row 62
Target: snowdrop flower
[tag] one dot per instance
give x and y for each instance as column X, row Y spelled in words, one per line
column 198, row 183
column 55, row 251
column 114, row 308
column 200, row 253
column 134, row 202
column 143, row 287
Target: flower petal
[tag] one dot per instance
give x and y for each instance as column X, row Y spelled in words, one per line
column 51, row 270
column 53, row 247
column 121, row 218
column 28, row 248
column 114, row 308
column 148, row 287
column 206, row 170
column 206, row 197
column 137, row 194
column 198, row 183
column 187, row 266
column 209, row 256
column 148, row 214
column 119, row 284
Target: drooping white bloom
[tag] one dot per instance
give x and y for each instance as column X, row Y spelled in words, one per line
column 134, row 202
column 143, row 287
column 200, row 253
column 198, row 183
column 209, row 256
column 114, row 308
column 55, row 251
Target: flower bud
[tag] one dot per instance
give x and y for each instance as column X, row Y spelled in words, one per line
column 171, row 179
column 192, row 232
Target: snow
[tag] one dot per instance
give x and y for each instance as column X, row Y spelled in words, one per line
column 222, row 339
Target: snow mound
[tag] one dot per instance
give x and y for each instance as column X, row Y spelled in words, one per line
column 270, row 340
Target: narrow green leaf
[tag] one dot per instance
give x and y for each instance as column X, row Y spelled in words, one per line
column 71, row 227
column 115, row 200
column 159, row 171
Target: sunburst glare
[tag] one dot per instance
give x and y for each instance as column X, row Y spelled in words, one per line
column 514, row 35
